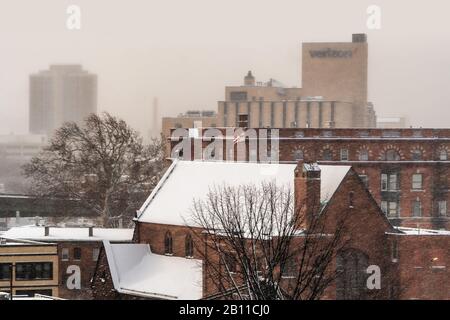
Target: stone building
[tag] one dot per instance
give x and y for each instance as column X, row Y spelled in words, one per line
column 77, row 253
column 406, row 170
column 412, row 261
column 333, row 95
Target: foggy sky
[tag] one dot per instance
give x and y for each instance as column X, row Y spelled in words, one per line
column 185, row 52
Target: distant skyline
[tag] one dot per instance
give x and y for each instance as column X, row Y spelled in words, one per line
column 186, row 52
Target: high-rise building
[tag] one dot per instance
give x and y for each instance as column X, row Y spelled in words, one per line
column 62, row 93
column 333, row 95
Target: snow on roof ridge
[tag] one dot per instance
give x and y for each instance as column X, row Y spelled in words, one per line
column 188, row 180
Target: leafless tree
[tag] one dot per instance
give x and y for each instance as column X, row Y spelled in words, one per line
column 255, row 245
column 102, row 164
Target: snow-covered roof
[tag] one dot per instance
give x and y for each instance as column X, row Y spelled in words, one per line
column 135, row 270
column 172, row 199
column 420, row 232
column 68, row 234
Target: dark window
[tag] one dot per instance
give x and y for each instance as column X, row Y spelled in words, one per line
column 365, row 180
column 243, row 121
column 32, row 293
column 168, row 248
column 416, row 208
column 442, row 208
column 230, row 262
column 351, row 275
column 443, row 155
column 5, row 271
column 394, row 250
column 389, row 182
column 392, row 155
column 298, row 155
column 416, row 155
column 327, row 155
column 76, row 253
column 363, row 155
column 189, row 246
column 344, row 154
column 288, row 268
column 351, row 199
column 34, row 271
column 238, row 96
column 417, row 179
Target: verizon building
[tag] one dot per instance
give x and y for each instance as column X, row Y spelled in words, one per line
column 334, row 92
column 62, row 93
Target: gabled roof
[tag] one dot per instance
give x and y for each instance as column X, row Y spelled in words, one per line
column 172, row 199
column 136, row 271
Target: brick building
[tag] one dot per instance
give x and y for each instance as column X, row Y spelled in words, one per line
column 77, row 253
column 411, row 260
column 406, row 170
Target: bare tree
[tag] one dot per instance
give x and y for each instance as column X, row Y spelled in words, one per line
column 254, row 244
column 103, row 165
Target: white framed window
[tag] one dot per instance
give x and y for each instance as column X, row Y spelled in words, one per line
column 442, row 208
column 389, row 182
column 416, row 155
column 394, row 254
column 416, row 208
column 365, row 179
column 95, row 254
column 344, row 154
column 443, row 155
column 390, row 208
column 417, row 181
column 65, row 254
column 363, row 155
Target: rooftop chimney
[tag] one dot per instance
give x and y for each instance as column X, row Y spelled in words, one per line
column 91, row 231
column 307, row 193
column 359, row 37
column 46, row 231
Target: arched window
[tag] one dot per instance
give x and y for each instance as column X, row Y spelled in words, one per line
column 363, row 155
column 416, row 155
column 443, row 155
column 351, row 275
column 351, row 199
column 391, row 155
column 327, row 155
column 189, row 246
column 168, row 246
column 298, row 155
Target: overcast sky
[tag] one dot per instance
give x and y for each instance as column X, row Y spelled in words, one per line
column 186, row 51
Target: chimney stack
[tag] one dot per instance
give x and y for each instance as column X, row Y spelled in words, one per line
column 91, row 231
column 46, row 231
column 307, row 192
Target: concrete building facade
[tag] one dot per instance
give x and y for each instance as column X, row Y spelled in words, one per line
column 62, row 93
column 334, row 92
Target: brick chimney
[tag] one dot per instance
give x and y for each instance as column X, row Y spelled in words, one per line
column 91, row 231
column 307, row 192
column 46, row 231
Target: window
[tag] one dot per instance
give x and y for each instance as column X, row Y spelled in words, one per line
column 443, row 155
column 5, row 271
column 351, row 198
column 365, row 180
column 390, row 208
column 394, row 253
column 178, row 125
column 391, row 155
column 442, row 208
column 351, row 266
column 65, row 254
column 363, row 155
column 230, row 263
column 288, row 268
column 298, row 155
column 417, row 181
column 327, row 155
column 76, row 253
column 34, row 271
column 416, row 155
column 95, row 254
column 344, row 154
column 189, row 246
column 389, row 182
column 416, row 208
column 168, row 248
column 238, row 96
column 243, row 121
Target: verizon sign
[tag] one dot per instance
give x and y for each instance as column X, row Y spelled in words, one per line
column 331, row 53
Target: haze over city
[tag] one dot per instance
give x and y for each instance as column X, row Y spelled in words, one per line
column 186, row 52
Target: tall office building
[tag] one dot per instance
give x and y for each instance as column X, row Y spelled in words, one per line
column 62, row 93
column 333, row 95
